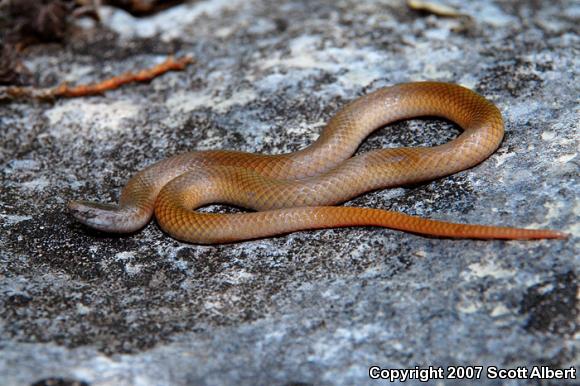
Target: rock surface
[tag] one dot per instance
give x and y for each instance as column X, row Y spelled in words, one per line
column 309, row 307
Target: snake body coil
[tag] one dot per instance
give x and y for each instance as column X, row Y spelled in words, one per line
column 296, row 191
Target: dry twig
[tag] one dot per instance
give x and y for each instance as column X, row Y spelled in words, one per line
column 64, row 91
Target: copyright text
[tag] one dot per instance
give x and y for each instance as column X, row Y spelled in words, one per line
column 425, row 374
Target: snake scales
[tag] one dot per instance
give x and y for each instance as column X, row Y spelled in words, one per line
column 297, row 191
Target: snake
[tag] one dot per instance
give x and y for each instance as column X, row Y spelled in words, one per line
column 300, row 190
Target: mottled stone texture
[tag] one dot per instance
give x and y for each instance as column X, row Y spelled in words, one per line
column 311, row 307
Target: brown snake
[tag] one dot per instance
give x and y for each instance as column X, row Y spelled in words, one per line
column 295, row 191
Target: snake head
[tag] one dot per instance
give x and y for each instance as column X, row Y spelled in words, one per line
column 105, row 217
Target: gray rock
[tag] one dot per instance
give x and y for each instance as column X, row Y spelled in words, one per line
column 310, row 307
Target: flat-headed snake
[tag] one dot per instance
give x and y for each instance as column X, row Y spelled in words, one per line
column 297, row 191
